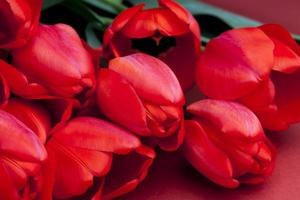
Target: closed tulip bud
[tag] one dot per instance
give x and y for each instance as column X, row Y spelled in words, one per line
column 142, row 94
column 168, row 32
column 226, row 143
column 54, row 63
column 19, row 21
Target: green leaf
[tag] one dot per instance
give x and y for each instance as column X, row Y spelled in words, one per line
column 234, row 20
column 111, row 6
column 149, row 3
column 80, row 8
column 92, row 31
column 50, row 3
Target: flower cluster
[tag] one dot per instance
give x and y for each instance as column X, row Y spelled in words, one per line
column 74, row 127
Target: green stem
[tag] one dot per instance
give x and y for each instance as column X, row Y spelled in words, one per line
column 118, row 6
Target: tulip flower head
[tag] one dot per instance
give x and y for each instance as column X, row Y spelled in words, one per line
column 168, row 32
column 226, row 143
column 141, row 93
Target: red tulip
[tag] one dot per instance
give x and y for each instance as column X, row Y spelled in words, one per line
column 33, row 115
column 54, row 63
column 141, row 93
column 226, row 143
column 21, row 155
column 257, row 67
column 87, row 149
column 169, row 32
column 19, row 21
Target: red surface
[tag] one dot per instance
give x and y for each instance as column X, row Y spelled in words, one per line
column 286, row 13
column 172, row 178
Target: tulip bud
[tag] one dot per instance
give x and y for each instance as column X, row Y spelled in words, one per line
column 54, row 63
column 168, row 32
column 19, row 21
column 142, row 94
column 226, row 143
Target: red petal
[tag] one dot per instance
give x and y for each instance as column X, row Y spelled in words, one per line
column 124, row 17
column 182, row 59
column 231, row 118
column 118, row 100
column 4, row 90
column 68, row 167
column 127, row 172
column 7, row 189
column 95, row 134
column 206, row 157
column 182, row 14
column 146, row 23
column 19, row 141
column 262, row 97
column 19, row 84
column 144, row 72
column 234, row 63
column 287, row 96
column 33, row 115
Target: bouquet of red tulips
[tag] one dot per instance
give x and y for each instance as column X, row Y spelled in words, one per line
column 80, row 120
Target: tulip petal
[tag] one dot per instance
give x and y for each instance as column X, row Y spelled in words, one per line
column 124, row 17
column 287, row 96
column 147, row 22
column 206, row 157
column 234, row 63
column 7, row 189
column 4, row 90
column 127, row 172
column 95, row 134
column 118, row 100
column 182, row 14
column 19, row 141
column 286, row 52
column 32, row 115
column 231, row 118
column 182, row 59
column 65, row 185
column 172, row 142
column 263, row 96
column 19, row 84
column 144, row 72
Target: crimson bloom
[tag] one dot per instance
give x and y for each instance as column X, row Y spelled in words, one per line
column 258, row 67
column 19, row 21
column 226, row 143
column 141, row 93
column 86, row 150
column 21, row 156
column 54, row 63
column 169, row 32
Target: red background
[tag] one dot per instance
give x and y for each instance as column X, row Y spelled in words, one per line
column 172, row 178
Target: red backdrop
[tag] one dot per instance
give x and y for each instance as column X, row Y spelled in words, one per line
column 172, row 178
